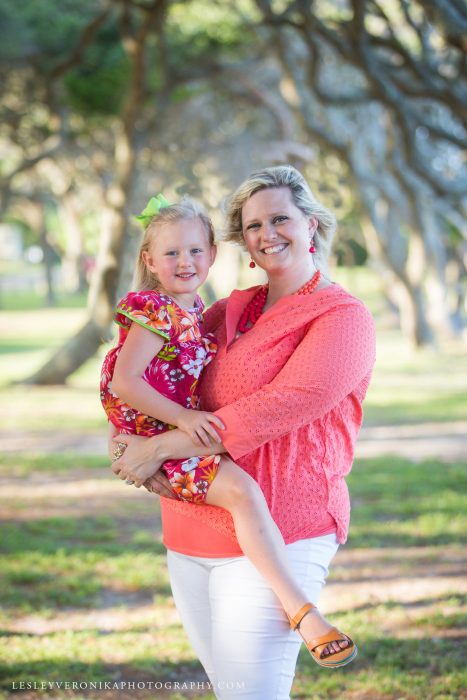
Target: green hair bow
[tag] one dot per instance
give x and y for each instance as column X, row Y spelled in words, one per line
column 152, row 208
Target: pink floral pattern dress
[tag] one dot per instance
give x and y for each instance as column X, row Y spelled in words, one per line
column 174, row 372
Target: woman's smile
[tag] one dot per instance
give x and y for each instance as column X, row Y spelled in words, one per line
column 278, row 235
column 272, row 250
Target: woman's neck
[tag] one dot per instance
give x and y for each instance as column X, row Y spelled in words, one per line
column 282, row 285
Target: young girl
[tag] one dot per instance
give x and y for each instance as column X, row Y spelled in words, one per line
column 149, row 385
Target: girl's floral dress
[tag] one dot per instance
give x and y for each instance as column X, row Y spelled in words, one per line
column 174, row 372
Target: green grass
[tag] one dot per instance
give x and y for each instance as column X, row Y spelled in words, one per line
column 65, row 575
column 27, row 301
column 29, row 463
column 53, row 565
column 399, row 503
column 411, row 386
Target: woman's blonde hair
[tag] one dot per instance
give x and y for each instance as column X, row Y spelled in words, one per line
column 186, row 209
column 302, row 196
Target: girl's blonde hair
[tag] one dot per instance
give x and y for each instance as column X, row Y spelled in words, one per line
column 303, row 198
column 186, row 209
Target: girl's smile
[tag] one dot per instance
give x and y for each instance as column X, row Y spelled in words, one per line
column 180, row 256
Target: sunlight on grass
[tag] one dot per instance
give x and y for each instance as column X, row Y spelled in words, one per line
column 54, row 408
column 396, row 502
column 410, row 386
column 20, row 464
column 143, row 649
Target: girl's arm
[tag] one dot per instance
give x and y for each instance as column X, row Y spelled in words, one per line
column 140, row 346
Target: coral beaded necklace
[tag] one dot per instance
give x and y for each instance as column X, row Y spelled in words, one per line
column 254, row 308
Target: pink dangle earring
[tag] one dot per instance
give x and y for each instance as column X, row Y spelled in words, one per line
column 252, row 264
column 312, row 247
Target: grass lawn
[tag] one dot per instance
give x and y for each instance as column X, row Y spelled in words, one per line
column 86, row 596
column 83, row 581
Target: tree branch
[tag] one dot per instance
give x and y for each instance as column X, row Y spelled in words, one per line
column 85, row 39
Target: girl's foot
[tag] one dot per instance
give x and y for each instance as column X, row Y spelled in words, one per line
column 328, row 647
column 314, row 625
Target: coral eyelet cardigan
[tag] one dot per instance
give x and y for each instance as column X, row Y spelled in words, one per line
column 290, row 394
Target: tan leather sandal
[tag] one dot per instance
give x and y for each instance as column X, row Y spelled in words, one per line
column 318, row 645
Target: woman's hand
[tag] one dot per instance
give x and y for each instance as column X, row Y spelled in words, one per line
column 199, row 425
column 160, row 484
column 139, row 461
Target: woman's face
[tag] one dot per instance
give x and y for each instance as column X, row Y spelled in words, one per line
column 276, row 232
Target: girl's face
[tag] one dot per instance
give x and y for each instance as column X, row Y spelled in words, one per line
column 180, row 256
column 277, row 233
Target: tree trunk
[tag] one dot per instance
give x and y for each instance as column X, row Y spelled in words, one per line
column 48, row 261
column 74, row 353
column 104, row 283
column 403, row 282
column 73, row 261
column 421, row 331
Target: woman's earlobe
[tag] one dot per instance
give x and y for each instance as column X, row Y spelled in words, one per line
column 313, row 224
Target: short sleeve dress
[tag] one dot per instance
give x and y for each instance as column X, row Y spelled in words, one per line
column 174, row 372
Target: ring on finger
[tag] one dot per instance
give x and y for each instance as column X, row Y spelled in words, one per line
column 120, row 448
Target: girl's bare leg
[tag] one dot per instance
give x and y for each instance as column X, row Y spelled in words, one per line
column 261, row 541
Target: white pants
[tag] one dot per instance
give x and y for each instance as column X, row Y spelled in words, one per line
column 235, row 622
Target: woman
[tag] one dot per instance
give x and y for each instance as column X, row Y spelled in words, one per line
column 292, row 369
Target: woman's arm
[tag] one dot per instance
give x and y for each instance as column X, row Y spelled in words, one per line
column 139, row 348
column 144, row 456
column 333, row 359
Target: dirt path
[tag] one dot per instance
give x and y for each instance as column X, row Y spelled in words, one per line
column 417, row 441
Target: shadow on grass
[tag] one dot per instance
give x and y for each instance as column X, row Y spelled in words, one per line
column 148, row 670
column 417, row 665
column 72, row 562
column 100, row 534
column 389, row 669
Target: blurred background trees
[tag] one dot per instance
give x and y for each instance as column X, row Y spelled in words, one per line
column 105, row 103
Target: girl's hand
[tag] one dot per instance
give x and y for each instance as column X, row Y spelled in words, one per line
column 160, row 485
column 138, row 462
column 199, row 426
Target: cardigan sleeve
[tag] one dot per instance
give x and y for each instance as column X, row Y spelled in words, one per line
column 335, row 356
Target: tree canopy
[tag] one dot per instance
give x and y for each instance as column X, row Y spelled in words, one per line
column 106, row 102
